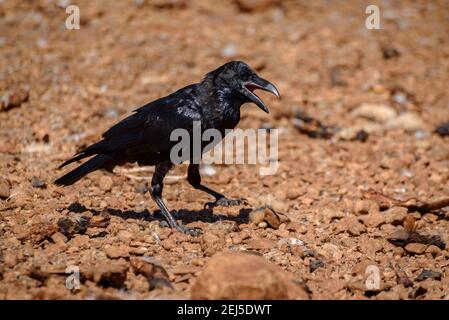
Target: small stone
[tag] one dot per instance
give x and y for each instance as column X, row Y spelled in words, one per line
column 366, row 207
column 403, row 279
column 71, row 226
column 395, row 215
column 433, row 250
column 256, row 216
column 211, row 243
column 229, row 51
column 261, row 244
column 267, row 214
column 369, row 246
column 408, row 121
column 10, row 258
column 238, row 276
column 39, row 232
column 443, row 129
column 207, row 170
column 13, row 98
column 332, row 214
column 293, row 193
column 169, row 243
column 373, row 220
column 282, row 233
column 58, row 237
column 96, row 232
column 4, row 188
column 125, row 236
column 415, row 248
column 429, row 274
column 398, row 251
column 315, row 264
column 224, row 227
column 100, row 221
column 273, row 218
column 299, row 251
column 116, row 251
column 184, row 269
column 330, row 252
column 390, row 52
column 296, row 227
column 142, row 188
column 350, row 225
column 376, row 112
column 262, row 225
column 105, row 183
column 108, row 273
column 37, row 183
column 279, row 206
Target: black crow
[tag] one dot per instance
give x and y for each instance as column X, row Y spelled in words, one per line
column 144, row 136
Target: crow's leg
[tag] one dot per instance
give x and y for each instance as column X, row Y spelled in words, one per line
column 194, row 178
column 157, row 185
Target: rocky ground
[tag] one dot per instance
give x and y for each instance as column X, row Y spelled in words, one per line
column 360, row 195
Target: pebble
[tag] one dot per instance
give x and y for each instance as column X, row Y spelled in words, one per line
column 59, row 237
column 433, row 250
column 229, row 51
column 107, row 273
column 125, row 236
column 37, row 183
column 207, row 170
column 105, row 183
column 256, row 216
column 70, row 226
column 443, row 129
column 373, row 220
column 296, row 227
column 5, row 188
column 377, row 112
column 315, row 264
column 408, row 121
column 366, row 207
column 293, row 193
column 13, row 98
column 262, row 225
column 211, row 243
column 242, row 276
column 116, row 251
column 350, row 225
column 101, row 220
column 415, row 248
column 429, row 274
column 261, row 244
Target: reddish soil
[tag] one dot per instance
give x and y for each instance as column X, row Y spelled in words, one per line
column 62, row 88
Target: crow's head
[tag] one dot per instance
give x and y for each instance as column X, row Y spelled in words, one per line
column 243, row 80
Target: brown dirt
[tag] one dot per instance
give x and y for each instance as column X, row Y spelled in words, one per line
column 62, row 88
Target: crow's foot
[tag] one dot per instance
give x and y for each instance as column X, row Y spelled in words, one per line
column 225, row 202
column 195, row 232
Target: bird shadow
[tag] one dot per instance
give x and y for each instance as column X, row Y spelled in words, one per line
column 186, row 216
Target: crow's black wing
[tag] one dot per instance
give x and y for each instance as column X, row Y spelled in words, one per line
column 148, row 130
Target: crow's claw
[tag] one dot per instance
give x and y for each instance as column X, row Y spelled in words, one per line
column 225, row 202
column 195, row 232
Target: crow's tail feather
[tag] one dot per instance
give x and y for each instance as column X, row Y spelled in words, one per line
column 79, row 156
column 96, row 148
column 91, row 165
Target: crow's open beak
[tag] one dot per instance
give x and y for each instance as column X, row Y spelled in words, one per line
column 259, row 83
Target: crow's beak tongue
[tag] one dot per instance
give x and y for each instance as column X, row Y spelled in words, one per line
column 259, row 83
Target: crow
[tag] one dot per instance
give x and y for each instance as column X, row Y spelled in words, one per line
column 144, row 136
